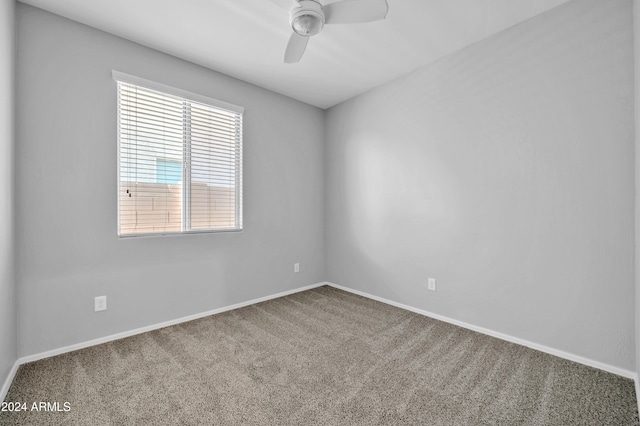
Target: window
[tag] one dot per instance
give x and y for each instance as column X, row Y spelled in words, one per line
column 179, row 160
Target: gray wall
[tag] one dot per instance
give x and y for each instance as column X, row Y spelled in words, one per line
column 8, row 337
column 68, row 252
column 506, row 172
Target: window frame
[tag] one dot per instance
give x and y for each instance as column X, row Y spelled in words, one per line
column 185, row 199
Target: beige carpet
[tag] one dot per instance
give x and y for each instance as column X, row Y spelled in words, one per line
column 321, row 357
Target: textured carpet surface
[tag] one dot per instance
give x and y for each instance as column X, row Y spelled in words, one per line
column 322, row 357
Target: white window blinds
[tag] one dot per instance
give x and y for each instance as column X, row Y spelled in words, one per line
column 180, row 160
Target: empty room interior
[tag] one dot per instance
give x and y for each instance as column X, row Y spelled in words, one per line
column 319, row 212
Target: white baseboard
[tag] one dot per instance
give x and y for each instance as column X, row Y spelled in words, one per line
column 86, row 344
column 566, row 355
column 502, row 336
column 7, row 382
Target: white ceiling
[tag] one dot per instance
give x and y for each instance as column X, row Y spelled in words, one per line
column 246, row 38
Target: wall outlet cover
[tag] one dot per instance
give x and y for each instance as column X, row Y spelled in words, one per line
column 431, row 285
column 100, row 303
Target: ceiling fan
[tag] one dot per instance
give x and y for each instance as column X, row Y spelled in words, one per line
column 308, row 17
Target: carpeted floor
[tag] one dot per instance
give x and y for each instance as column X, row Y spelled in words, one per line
column 321, row 357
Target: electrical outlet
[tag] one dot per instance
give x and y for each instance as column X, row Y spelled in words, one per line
column 296, row 267
column 431, row 284
column 100, row 303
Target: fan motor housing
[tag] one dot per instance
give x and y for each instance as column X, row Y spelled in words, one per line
column 306, row 17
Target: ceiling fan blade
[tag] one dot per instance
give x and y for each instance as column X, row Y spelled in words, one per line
column 355, row 11
column 286, row 4
column 295, row 48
